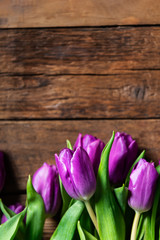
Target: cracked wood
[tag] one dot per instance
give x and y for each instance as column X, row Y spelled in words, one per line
column 79, row 50
column 126, row 95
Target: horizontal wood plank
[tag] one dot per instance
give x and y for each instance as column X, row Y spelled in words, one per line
column 33, row 13
column 126, row 95
column 27, row 144
column 79, row 50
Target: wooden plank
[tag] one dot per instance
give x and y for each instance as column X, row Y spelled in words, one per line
column 79, row 50
column 28, row 144
column 32, row 13
column 126, row 95
column 49, row 228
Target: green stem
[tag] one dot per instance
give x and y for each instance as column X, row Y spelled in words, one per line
column 91, row 214
column 135, row 225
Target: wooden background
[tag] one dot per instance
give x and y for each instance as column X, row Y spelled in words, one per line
column 75, row 66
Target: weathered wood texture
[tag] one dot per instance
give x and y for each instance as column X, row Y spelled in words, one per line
column 126, row 95
column 79, row 50
column 49, row 13
column 75, row 73
column 28, row 144
column 32, row 59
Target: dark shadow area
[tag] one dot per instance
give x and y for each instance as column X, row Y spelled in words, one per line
column 11, row 185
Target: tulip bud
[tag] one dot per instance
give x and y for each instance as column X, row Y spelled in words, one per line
column 76, row 172
column 122, row 155
column 2, row 171
column 142, row 186
column 92, row 146
column 17, row 208
column 46, row 182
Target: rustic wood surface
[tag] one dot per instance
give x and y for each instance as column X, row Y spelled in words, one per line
column 57, row 79
column 107, row 50
column 122, row 95
column 34, row 13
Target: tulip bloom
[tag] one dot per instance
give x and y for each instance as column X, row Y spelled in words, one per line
column 122, row 155
column 142, row 186
column 46, row 182
column 2, row 171
column 17, row 208
column 76, row 172
column 93, row 147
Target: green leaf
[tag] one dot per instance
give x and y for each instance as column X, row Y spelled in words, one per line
column 86, row 222
column 69, row 145
column 141, row 228
column 129, row 173
column 144, row 227
column 121, row 195
column 6, row 211
column 8, row 230
column 109, row 215
column 147, row 233
column 158, row 169
column 35, row 213
column 9, row 213
column 80, row 231
column 66, row 199
column 155, row 206
column 67, row 225
column 84, row 235
column 89, row 236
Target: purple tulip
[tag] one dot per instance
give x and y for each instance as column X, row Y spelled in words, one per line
column 142, row 186
column 2, row 171
column 122, row 155
column 17, row 208
column 46, row 182
column 93, row 147
column 76, row 172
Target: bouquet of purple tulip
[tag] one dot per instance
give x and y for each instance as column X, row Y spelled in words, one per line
column 101, row 191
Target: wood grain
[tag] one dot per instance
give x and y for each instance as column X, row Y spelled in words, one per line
column 51, row 77
column 28, row 144
column 79, row 50
column 32, row 13
column 126, row 95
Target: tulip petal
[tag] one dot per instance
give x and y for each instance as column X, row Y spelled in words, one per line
column 128, row 139
column 87, row 139
column 122, row 156
column 78, row 142
column 82, row 174
column 63, row 165
column 46, row 183
column 92, row 146
column 142, row 186
column 131, row 156
column 94, row 151
column 117, row 161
